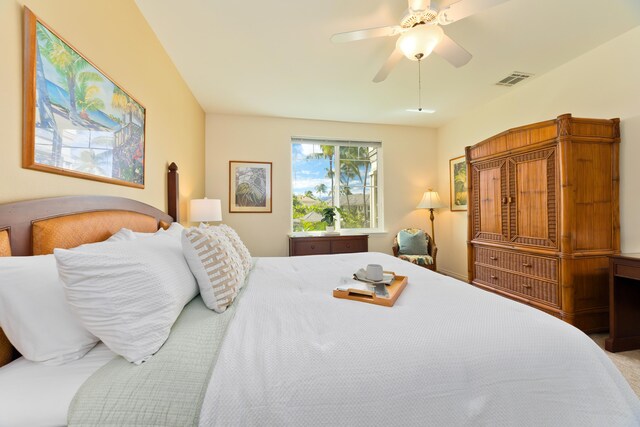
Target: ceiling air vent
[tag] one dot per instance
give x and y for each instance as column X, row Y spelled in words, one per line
column 513, row 78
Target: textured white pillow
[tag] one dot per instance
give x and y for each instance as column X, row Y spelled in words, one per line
column 239, row 246
column 215, row 264
column 34, row 314
column 128, row 293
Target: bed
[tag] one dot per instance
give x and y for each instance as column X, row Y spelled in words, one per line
column 287, row 353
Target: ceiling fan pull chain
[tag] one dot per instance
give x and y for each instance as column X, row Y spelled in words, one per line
column 419, row 85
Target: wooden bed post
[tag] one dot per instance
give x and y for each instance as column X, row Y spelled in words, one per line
column 173, row 207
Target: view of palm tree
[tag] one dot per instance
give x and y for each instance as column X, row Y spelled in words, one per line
column 334, row 175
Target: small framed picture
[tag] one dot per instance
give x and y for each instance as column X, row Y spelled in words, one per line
column 249, row 187
column 458, row 183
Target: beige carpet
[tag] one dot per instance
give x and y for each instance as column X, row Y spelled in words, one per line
column 628, row 362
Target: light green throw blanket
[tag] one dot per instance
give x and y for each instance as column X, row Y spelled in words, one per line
column 168, row 389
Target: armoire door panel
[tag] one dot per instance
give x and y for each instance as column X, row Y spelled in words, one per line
column 531, row 199
column 489, row 201
column 532, row 203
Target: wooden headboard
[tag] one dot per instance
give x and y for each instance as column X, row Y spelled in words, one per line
column 35, row 227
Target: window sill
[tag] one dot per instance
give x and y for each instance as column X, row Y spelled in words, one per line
column 341, row 233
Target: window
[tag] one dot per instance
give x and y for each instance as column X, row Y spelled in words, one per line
column 346, row 174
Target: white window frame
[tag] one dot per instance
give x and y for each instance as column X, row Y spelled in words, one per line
column 340, row 142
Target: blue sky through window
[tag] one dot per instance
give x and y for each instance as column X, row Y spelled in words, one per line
column 308, row 172
column 310, row 167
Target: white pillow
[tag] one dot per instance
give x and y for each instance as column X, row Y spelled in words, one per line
column 215, row 264
column 175, row 229
column 128, row 293
column 238, row 245
column 34, row 314
column 122, row 234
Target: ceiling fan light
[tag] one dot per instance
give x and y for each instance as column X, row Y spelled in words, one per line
column 419, row 41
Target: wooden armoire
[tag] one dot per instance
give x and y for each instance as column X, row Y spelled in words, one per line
column 544, row 216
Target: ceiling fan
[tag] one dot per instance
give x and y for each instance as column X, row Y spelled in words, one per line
column 421, row 32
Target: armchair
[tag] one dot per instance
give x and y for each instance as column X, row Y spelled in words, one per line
column 426, row 260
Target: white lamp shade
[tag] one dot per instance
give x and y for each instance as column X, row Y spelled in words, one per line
column 420, row 39
column 430, row 200
column 204, row 210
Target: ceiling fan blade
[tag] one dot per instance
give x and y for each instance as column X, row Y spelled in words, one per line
column 443, row 4
column 369, row 33
column 418, row 5
column 460, row 9
column 392, row 61
column 452, row 52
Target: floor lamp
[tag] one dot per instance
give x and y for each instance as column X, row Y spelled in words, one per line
column 430, row 200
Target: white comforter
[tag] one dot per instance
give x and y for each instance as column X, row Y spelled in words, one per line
column 446, row 354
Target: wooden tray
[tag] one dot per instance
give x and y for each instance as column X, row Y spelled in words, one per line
column 395, row 289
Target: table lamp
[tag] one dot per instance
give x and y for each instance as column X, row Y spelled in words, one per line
column 205, row 210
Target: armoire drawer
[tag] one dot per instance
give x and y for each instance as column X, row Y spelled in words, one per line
column 544, row 268
column 516, row 283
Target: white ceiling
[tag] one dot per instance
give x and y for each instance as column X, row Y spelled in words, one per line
column 274, row 58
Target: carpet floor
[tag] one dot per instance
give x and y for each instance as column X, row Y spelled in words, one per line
column 628, row 362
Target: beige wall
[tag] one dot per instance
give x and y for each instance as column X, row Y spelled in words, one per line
column 113, row 35
column 409, row 167
column 603, row 83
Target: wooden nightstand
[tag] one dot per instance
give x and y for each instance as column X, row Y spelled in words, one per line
column 322, row 245
column 624, row 303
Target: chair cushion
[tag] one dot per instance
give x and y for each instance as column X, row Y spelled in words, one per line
column 417, row 259
column 413, row 242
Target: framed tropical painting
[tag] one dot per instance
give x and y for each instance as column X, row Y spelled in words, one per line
column 249, row 186
column 77, row 121
column 458, row 183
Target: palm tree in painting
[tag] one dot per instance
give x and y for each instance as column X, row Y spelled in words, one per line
column 86, row 94
column 120, row 101
column 71, row 67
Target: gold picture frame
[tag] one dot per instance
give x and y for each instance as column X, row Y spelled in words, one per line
column 250, row 185
column 458, row 184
